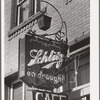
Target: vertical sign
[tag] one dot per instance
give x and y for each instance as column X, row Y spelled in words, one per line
column 41, row 62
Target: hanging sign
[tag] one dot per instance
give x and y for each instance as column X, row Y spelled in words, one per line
column 49, row 96
column 41, row 62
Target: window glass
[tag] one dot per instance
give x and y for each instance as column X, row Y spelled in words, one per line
column 83, row 70
column 23, row 11
column 82, row 74
column 28, row 95
column 17, row 91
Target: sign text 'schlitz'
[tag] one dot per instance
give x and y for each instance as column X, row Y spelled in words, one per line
column 41, row 62
column 41, row 56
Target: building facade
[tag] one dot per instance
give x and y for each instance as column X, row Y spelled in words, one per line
column 21, row 16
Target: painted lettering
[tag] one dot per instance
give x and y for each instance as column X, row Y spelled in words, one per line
column 49, row 96
column 41, row 56
column 60, row 78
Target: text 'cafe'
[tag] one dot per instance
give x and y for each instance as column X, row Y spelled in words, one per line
column 49, row 96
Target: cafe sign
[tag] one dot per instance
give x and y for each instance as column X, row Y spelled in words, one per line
column 49, row 96
column 41, row 62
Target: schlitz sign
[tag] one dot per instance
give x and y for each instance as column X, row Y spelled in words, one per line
column 49, row 96
column 41, row 61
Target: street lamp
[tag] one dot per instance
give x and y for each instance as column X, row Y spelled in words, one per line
column 44, row 23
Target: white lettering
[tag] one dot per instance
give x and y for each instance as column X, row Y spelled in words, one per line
column 50, row 96
column 37, row 94
column 47, row 97
column 60, row 78
column 41, row 56
column 62, row 96
column 54, row 95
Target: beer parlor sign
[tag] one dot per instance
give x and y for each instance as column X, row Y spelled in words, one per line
column 41, row 62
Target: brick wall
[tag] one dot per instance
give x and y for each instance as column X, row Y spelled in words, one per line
column 75, row 13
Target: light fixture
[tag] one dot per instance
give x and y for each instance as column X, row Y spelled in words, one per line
column 44, row 22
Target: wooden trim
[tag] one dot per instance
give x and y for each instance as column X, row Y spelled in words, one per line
column 11, row 92
column 81, row 87
column 78, row 50
column 31, row 7
column 13, row 14
column 78, row 39
column 79, row 92
column 23, row 90
column 19, row 3
column 18, row 14
column 80, row 44
column 35, row 9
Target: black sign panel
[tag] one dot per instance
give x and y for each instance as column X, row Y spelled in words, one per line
column 41, row 62
column 49, row 96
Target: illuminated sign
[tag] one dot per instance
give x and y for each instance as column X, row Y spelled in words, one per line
column 49, row 96
column 41, row 62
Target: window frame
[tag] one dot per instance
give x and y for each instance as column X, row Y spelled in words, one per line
column 18, row 2
column 15, row 13
column 81, row 69
column 68, row 70
column 73, row 53
column 18, row 11
column 8, row 90
column 23, row 90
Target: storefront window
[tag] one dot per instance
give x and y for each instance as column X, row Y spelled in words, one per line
column 17, row 91
column 72, row 75
column 79, row 71
column 83, row 70
column 7, row 92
